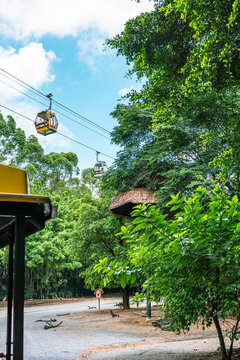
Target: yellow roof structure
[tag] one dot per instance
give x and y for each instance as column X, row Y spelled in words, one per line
column 15, row 201
column 13, row 180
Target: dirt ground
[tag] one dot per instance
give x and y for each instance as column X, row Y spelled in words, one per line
column 133, row 321
column 153, row 344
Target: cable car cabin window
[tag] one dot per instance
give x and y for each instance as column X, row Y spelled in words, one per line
column 46, row 123
column 100, row 168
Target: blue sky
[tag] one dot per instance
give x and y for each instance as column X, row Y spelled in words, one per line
column 57, row 46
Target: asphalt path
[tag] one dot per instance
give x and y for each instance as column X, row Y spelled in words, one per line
column 64, row 342
column 71, row 341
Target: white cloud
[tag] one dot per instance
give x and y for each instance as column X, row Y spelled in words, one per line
column 6, row 52
column 91, row 22
column 24, row 19
column 31, row 63
column 125, row 91
column 91, row 45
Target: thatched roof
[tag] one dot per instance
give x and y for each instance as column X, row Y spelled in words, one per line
column 124, row 203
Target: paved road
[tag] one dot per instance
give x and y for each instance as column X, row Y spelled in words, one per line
column 65, row 342
column 70, row 342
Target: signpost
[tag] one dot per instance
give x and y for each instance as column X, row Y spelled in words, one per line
column 99, row 293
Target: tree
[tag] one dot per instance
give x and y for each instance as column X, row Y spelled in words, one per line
column 192, row 260
column 120, row 273
column 194, row 44
column 187, row 52
column 96, row 237
column 170, row 160
column 50, row 264
column 214, row 55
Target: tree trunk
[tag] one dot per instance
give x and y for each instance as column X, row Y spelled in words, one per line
column 220, row 337
column 125, row 298
column 234, row 331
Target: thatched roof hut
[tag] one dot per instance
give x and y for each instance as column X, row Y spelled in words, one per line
column 123, row 204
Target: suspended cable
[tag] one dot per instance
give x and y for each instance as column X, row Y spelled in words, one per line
column 31, row 88
column 21, row 92
column 80, row 116
column 67, row 137
column 56, row 111
column 21, row 81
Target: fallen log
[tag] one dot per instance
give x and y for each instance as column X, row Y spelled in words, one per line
column 50, row 325
column 63, row 314
column 50, row 320
column 162, row 324
column 120, row 305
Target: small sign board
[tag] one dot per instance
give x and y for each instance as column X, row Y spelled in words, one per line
column 98, row 293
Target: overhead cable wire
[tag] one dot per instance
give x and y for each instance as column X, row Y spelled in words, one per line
column 31, row 88
column 56, row 111
column 23, row 82
column 67, row 137
column 80, row 116
column 20, row 82
column 22, row 92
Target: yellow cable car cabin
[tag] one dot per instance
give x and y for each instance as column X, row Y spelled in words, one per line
column 46, row 123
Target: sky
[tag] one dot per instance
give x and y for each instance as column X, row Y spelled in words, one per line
column 57, row 46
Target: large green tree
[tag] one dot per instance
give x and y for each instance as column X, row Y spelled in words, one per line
column 187, row 52
column 192, row 261
column 96, row 237
column 174, row 158
column 51, row 266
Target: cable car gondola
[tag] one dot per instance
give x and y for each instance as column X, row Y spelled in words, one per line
column 46, row 122
column 100, row 168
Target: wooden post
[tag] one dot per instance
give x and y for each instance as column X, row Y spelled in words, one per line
column 10, row 295
column 99, row 293
column 18, row 315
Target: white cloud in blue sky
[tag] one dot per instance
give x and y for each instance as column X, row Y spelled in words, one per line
column 126, row 91
column 24, row 19
column 90, row 47
column 31, row 63
column 56, row 46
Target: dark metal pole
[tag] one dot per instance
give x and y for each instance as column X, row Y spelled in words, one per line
column 10, row 295
column 149, row 312
column 18, row 316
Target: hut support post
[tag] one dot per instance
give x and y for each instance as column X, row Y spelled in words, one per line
column 149, row 312
column 10, row 296
column 18, row 317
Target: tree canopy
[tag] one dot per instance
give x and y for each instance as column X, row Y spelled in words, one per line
column 192, row 260
column 185, row 115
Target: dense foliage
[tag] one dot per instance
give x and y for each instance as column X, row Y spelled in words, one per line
column 186, row 114
column 192, row 260
column 181, row 130
column 55, row 262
